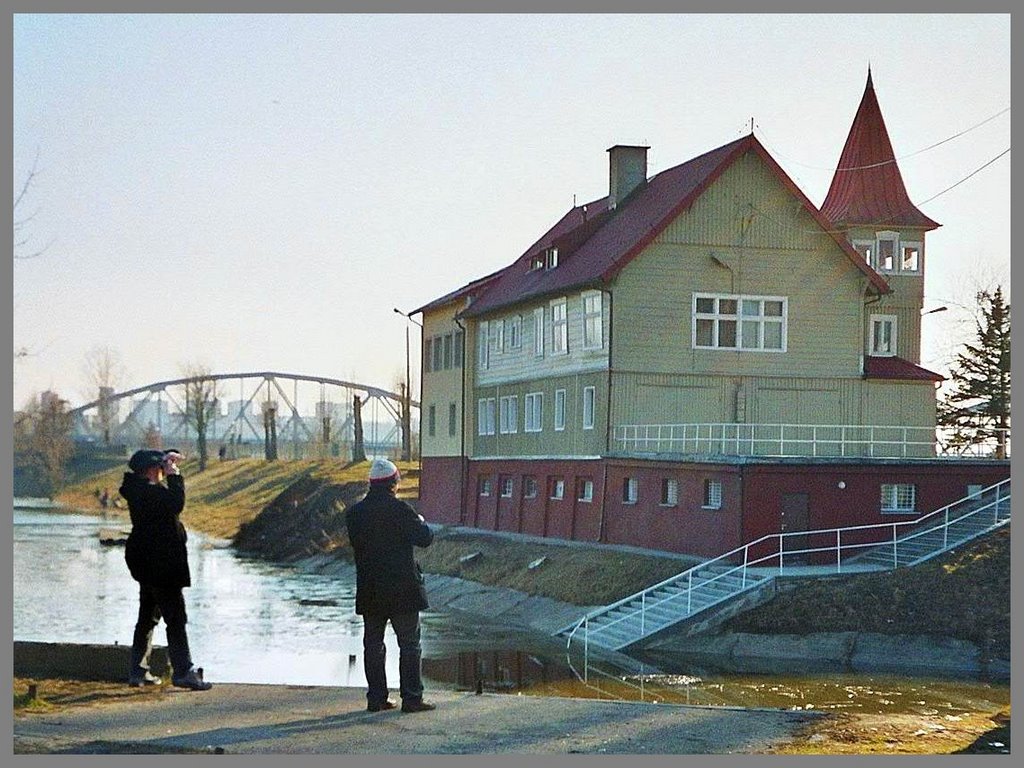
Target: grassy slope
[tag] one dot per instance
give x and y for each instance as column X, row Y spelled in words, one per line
column 964, row 594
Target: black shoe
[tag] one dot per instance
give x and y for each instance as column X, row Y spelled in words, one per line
column 417, row 706
column 193, row 680
column 137, row 681
column 380, row 707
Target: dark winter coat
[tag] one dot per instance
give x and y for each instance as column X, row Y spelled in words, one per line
column 383, row 531
column 155, row 551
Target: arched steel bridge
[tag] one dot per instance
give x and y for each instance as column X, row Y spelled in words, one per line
column 126, row 417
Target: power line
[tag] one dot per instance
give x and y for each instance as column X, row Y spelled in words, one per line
column 895, row 159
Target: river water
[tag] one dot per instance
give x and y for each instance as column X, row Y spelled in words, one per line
column 255, row 622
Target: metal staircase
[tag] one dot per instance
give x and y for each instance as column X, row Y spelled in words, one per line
column 692, row 594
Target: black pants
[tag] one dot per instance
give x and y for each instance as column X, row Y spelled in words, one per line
column 407, row 629
column 154, row 603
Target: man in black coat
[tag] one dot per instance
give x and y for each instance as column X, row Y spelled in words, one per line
column 389, row 586
column 157, row 559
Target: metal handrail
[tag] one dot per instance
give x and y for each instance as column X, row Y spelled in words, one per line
column 873, row 440
column 976, row 508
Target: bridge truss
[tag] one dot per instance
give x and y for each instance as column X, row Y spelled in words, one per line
column 308, row 416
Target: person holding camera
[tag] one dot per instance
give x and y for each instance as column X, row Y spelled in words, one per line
column 157, row 559
column 389, row 586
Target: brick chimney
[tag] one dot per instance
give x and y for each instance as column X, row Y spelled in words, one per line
column 627, row 170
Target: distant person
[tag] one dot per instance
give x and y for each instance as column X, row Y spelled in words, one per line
column 157, row 559
column 222, row 452
column 389, row 586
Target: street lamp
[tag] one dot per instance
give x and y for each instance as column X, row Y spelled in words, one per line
column 407, row 404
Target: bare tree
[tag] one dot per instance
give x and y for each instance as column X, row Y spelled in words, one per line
column 105, row 372
column 24, row 247
column 42, row 441
column 200, row 405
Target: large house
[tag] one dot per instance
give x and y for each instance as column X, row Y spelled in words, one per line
column 695, row 360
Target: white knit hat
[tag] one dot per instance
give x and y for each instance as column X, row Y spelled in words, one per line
column 382, row 469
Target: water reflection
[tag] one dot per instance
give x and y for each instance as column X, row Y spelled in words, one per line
column 255, row 622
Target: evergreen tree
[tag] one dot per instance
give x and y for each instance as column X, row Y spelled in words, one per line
column 977, row 409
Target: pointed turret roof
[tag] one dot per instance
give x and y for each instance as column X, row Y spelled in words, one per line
column 867, row 187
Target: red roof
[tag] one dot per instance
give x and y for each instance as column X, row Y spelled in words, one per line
column 469, row 290
column 897, row 368
column 595, row 243
column 867, row 187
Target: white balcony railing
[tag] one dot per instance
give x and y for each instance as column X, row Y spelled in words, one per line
column 803, row 440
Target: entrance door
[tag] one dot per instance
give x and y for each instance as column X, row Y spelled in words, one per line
column 795, row 516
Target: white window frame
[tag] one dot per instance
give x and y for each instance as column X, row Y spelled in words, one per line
column 559, row 410
column 740, row 319
column 483, row 344
column 712, row 494
column 915, row 246
column 486, row 485
column 485, row 416
column 888, row 237
column 898, row 498
column 505, row 482
column 669, row 492
column 560, row 326
column 589, row 406
column 630, row 490
column 498, row 336
column 538, row 332
column 558, row 488
column 593, row 318
column 586, row 490
column 551, row 258
column 882, row 320
column 508, row 415
column 529, row 487
column 533, row 412
column 866, row 248
column 515, row 332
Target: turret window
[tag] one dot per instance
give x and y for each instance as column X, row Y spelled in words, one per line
column 911, row 261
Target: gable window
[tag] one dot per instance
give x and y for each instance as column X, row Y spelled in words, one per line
column 669, row 492
column 485, row 416
column 529, row 487
column 899, row 497
column 552, row 258
column 911, row 261
column 588, row 407
column 585, row 490
column 883, row 335
column 712, row 494
column 505, row 487
column 592, row 330
column 886, row 251
column 533, row 407
column 630, row 486
column 748, row 323
column 538, row 332
column 538, row 262
column 498, row 336
column 452, row 419
column 559, row 327
column 557, row 487
column 486, row 486
column 483, row 355
column 515, row 332
column 431, row 420
column 508, row 415
column 559, row 410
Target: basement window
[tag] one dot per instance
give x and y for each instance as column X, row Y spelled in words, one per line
column 899, row 497
column 486, row 486
column 557, row 488
column 529, row 487
column 506, row 487
column 669, row 492
column 629, row 490
column 712, row 494
column 585, row 491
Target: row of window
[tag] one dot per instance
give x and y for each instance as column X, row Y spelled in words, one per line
column 453, row 420
column 886, row 253
column 443, row 352
column 585, row 489
column 506, row 335
column 507, row 410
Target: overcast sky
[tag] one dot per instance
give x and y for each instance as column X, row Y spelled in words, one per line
column 259, row 192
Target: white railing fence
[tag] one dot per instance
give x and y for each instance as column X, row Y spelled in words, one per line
column 772, row 554
column 853, row 440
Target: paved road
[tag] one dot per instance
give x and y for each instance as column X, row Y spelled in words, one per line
column 266, row 719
